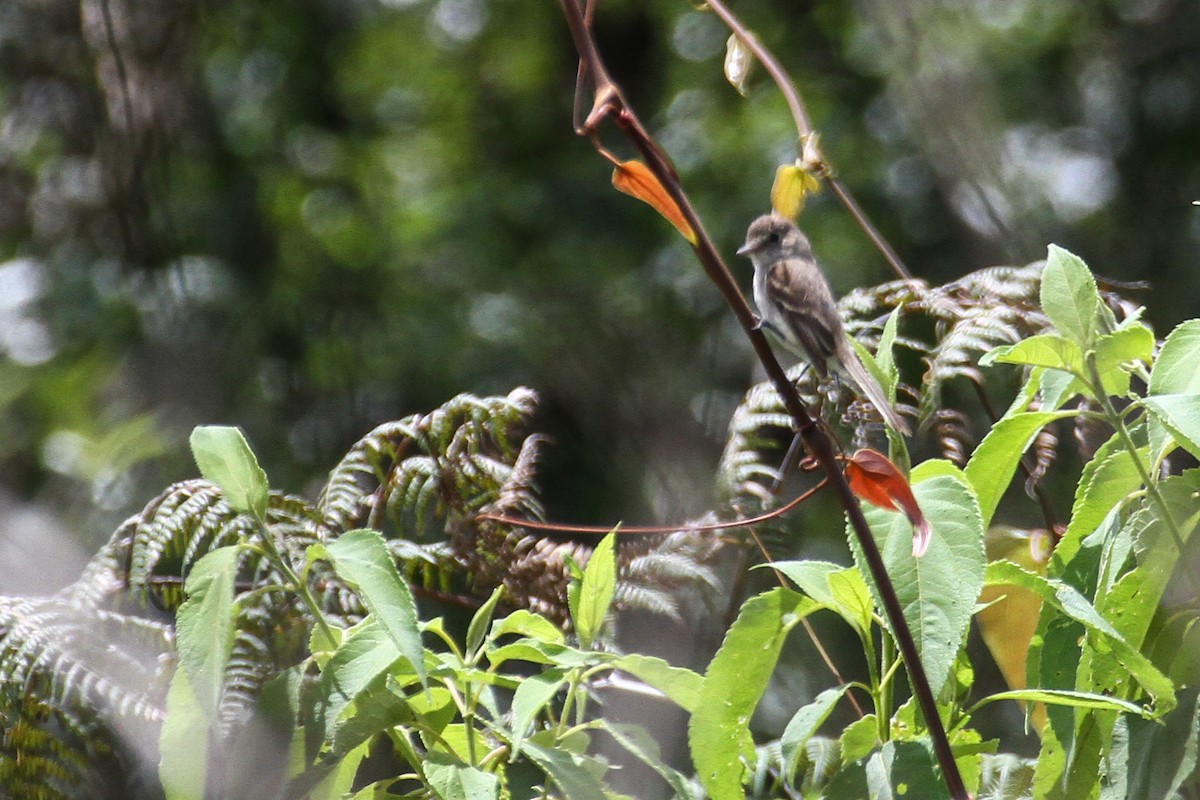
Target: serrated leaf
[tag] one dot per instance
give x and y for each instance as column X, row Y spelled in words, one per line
column 1066, row 697
column 361, row 559
column 636, row 180
column 365, row 655
column 805, row 723
column 453, row 780
column 1175, row 370
column 995, row 460
column 1047, row 350
column 205, row 625
column 1180, row 415
column 1105, row 482
column 838, row 588
column 733, row 684
column 939, row 590
column 1070, row 602
column 680, row 684
column 569, row 770
column 530, row 698
column 859, row 738
column 1134, row 344
column 523, row 622
column 224, row 458
column 1069, row 297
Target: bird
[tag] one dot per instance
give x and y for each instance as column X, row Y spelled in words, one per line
column 796, row 304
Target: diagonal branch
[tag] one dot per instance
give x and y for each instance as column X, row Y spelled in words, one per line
column 609, row 103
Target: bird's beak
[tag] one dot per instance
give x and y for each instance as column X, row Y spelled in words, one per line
column 745, row 249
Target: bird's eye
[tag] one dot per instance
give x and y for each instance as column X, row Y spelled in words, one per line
column 773, row 237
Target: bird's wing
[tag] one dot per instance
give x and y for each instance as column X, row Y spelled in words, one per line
column 805, row 316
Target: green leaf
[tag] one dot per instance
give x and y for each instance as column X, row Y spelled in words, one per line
column 1068, row 600
column 527, row 623
column 1179, row 414
column 224, row 457
column 1175, row 369
column 994, row 461
column 638, row 742
column 1059, row 387
column 1163, row 753
column 859, row 738
column 338, row 780
column 590, row 599
column 1105, row 483
column 937, row 591
column 1064, row 697
column 361, row 559
column 734, row 683
column 872, row 366
column 1132, row 344
column 840, row 589
column 804, row 725
column 205, row 625
column 570, row 771
column 453, row 780
column 681, row 685
column 1069, row 297
column 362, row 658
column 905, row 768
column 530, row 698
column 482, row 618
column 1048, row 350
column 884, row 356
column 183, row 743
column 539, row 652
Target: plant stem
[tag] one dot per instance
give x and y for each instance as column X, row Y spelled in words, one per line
column 299, row 586
column 1118, row 423
column 805, row 130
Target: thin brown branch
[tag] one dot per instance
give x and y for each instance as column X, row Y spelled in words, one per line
column 608, row 103
column 812, row 156
column 601, row 530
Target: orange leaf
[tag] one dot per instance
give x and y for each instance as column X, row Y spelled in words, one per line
column 876, row 480
column 635, row 179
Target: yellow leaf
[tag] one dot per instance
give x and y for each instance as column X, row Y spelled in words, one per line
column 1010, row 618
column 792, row 186
column 635, row 179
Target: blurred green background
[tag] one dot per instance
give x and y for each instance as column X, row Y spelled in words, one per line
column 310, row 217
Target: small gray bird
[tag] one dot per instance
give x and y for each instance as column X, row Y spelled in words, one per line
column 796, row 304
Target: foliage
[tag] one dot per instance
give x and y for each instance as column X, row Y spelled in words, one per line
column 295, row 633
column 245, row 574
column 231, row 640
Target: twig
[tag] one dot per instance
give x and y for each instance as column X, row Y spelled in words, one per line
column 806, row 132
column 608, row 103
column 558, row 527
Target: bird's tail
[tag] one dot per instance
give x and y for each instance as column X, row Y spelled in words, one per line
column 870, row 387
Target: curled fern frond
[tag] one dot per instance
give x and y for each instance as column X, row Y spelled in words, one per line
column 1045, row 451
column 953, row 434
